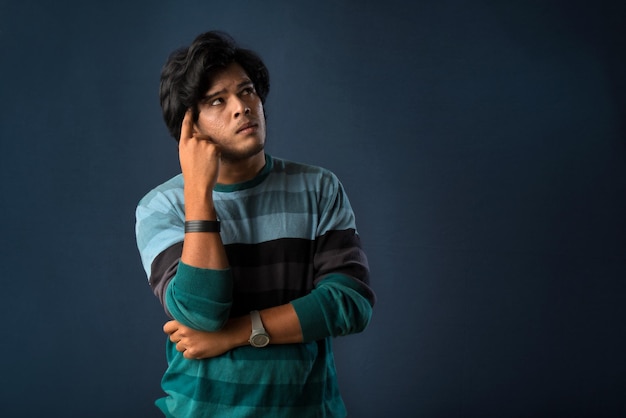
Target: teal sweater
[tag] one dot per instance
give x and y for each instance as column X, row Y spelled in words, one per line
column 290, row 237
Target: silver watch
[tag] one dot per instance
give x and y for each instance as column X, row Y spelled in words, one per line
column 259, row 337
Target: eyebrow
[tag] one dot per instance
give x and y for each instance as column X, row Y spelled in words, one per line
column 210, row 96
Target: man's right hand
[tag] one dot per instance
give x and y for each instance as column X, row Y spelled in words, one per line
column 200, row 164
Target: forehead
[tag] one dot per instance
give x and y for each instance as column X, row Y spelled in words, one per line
column 230, row 77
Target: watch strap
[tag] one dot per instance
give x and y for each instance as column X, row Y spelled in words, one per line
column 257, row 324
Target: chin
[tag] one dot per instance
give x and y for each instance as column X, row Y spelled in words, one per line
column 242, row 155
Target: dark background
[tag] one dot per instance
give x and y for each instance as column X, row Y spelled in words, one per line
column 483, row 147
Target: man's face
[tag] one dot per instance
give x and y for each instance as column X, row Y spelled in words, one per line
column 231, row 115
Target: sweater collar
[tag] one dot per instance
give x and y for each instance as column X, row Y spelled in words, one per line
column 258, row 179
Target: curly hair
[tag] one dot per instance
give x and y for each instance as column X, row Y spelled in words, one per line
column 188, row 73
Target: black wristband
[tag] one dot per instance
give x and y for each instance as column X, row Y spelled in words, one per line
column 202, row 226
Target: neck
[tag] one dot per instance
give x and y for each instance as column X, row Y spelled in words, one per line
column 232, row 172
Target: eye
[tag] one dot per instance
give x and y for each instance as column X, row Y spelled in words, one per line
column 247, row 91
column 216, row 102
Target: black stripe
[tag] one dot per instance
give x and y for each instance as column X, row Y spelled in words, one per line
column 276, row 272
column 244, row 302
column 162, row 270
column 336, row 239
column 284, row 250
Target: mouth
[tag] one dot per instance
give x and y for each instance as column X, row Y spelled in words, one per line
column 247, row 128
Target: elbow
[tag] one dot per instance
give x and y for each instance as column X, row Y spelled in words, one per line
column 353, row 315
column 362, row 319
column 202, row 315
column 200, row 298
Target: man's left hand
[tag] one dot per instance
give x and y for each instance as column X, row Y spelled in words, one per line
column 196, row 344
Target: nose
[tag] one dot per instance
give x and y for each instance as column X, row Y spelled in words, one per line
column 241, row 108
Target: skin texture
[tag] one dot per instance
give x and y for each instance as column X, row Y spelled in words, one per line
column 224, row 146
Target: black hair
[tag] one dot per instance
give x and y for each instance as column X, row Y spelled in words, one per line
column 188, row 73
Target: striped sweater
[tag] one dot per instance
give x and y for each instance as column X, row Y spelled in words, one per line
column 290, row 237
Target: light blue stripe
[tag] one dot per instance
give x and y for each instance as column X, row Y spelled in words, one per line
column 274, row 226
column 156, row 229
column 307, row 192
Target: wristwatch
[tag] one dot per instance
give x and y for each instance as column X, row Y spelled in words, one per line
column 259, row 337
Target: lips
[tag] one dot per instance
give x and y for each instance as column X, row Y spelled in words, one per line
column 249, row 125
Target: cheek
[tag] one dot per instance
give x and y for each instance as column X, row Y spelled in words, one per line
column 209, row 123
column 259, row 110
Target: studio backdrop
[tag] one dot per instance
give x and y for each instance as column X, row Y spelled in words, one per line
column 482, row 145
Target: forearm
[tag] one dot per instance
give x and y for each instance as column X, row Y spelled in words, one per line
column 201, row 296
column 199, row 162
column 338, row 306
column 202, row 249
column 281, row 322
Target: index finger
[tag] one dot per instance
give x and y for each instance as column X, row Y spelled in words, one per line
column 186, row 129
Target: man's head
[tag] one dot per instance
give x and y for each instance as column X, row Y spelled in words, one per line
column 189, row 72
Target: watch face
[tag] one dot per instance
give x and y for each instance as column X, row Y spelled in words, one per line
column 260, row 340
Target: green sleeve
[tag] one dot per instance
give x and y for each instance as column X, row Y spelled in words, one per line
column 338, row 306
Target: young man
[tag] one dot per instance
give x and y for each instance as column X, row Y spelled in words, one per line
column 255, row 258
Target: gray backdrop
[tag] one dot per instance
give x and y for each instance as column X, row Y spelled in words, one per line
column 483, row 147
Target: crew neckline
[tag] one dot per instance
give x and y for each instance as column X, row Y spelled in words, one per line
column 248, row 184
